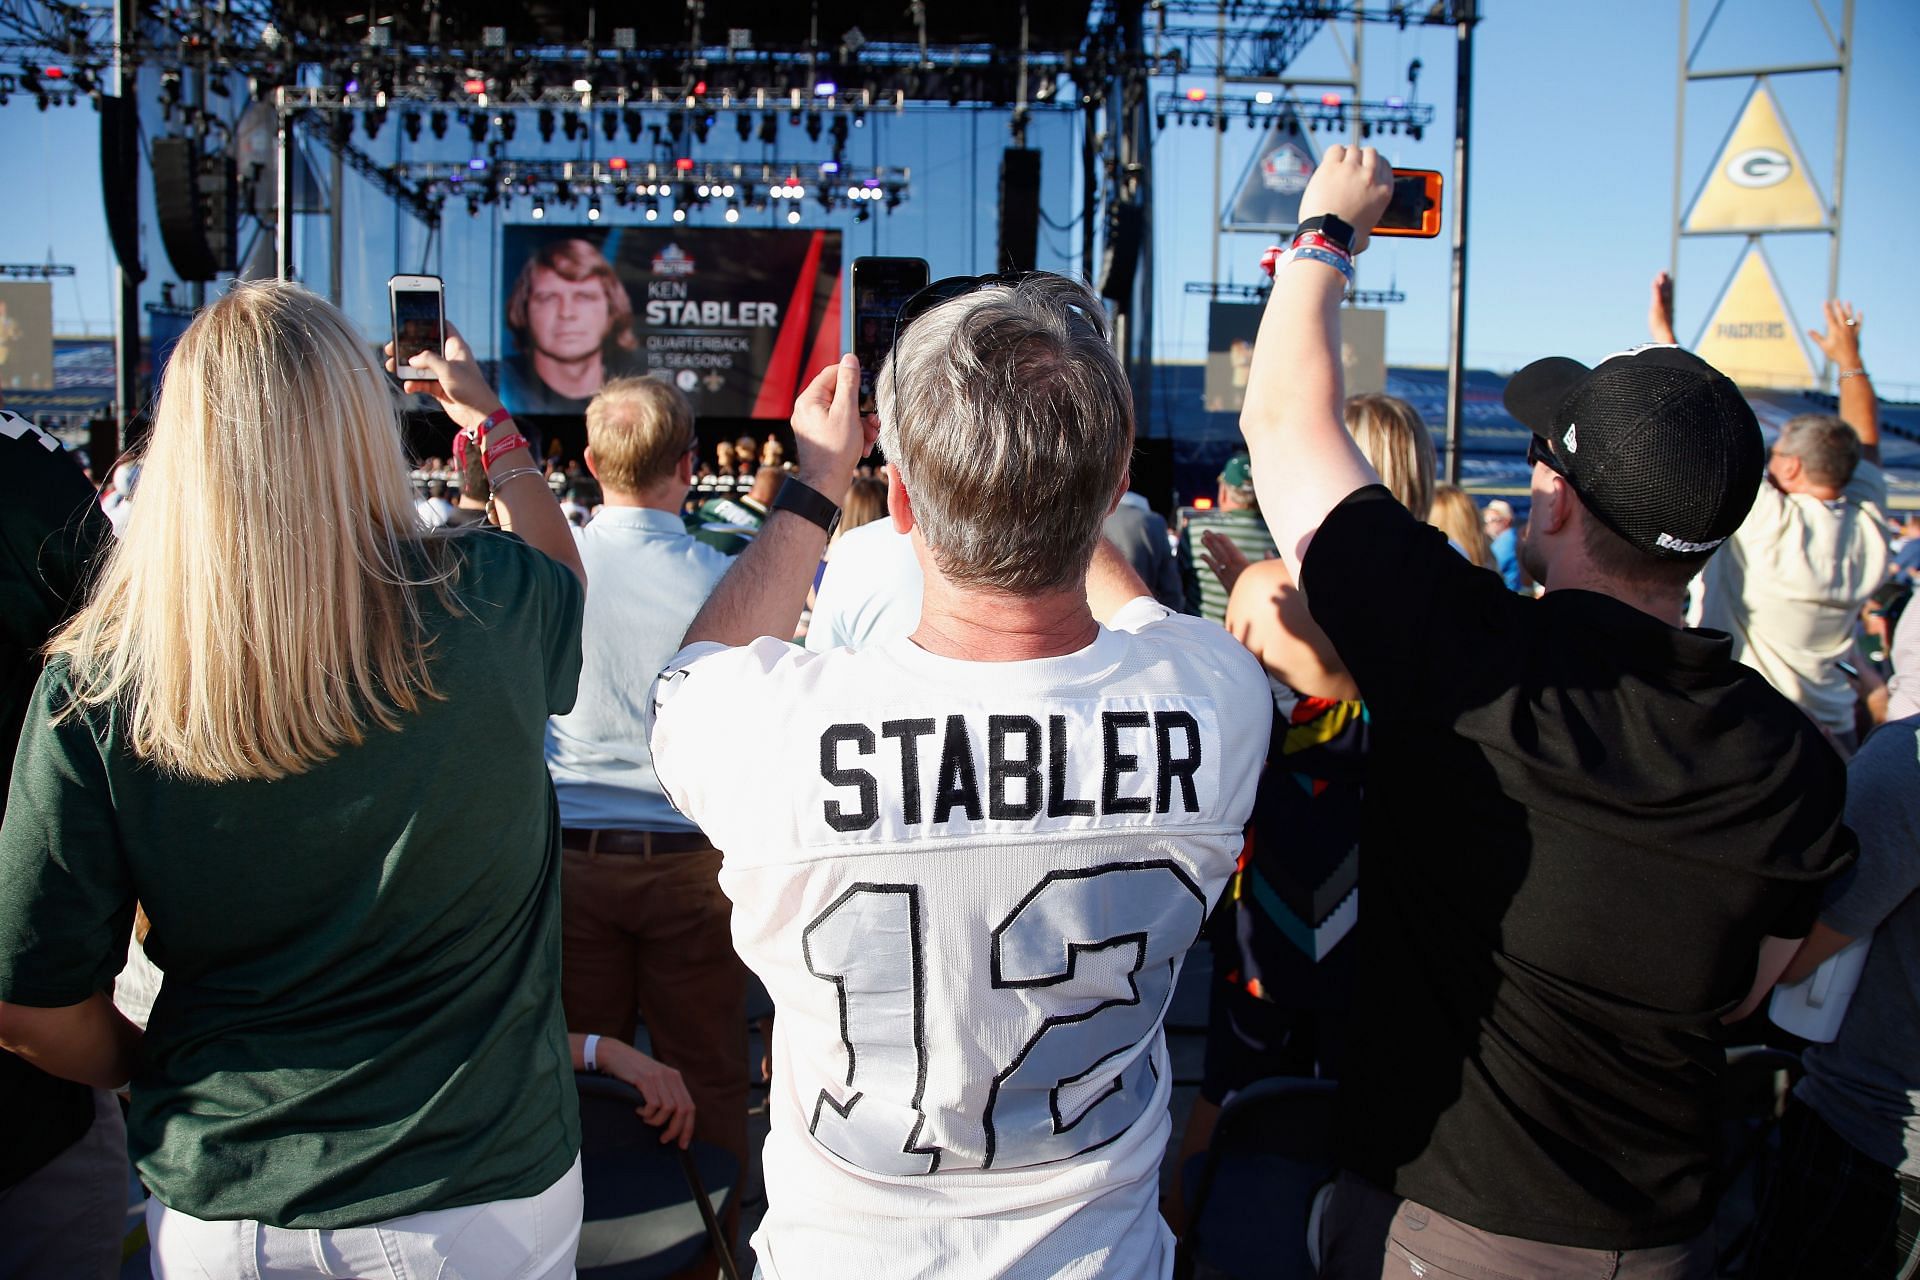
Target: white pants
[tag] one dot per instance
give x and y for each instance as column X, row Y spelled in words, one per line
column 528, row 1239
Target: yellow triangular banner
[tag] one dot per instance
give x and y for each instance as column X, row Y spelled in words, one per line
column 1750, row 337
column 1758, row 181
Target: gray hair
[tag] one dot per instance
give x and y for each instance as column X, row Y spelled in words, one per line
column 1827, row 448
column 1010, row 421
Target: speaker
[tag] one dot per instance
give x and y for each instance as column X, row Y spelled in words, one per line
column 119, row 180
column 194, row 203
column 1121, row 254
column 1019, row 209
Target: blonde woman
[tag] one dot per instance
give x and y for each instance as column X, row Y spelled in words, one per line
column 306, row 735
column 1454, row 514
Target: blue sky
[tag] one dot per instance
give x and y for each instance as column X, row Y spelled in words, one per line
column 1571, row 190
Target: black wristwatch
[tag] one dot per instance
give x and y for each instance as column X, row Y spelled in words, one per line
column 1334, row 229
column 803, row 499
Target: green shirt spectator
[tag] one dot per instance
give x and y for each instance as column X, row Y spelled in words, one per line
column 1237, row 515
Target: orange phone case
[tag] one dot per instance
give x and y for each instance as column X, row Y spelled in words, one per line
column 1430, row 219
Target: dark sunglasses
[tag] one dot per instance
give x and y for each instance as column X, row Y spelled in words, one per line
column 1540, row 450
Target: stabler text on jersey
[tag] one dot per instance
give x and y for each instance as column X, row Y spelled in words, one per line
column 927, row 772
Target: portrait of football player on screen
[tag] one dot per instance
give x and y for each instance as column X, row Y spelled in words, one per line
column 572, row 323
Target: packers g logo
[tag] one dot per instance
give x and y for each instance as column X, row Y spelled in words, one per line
column 1758, row 167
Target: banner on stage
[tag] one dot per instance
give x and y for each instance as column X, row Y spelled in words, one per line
column 739, row 320
column 1268, row 198
column 26, row 335
column 1759, row 181
column 1751, row 337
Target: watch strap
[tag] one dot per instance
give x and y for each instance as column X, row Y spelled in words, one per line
column 1338, row 230
column 803, row 499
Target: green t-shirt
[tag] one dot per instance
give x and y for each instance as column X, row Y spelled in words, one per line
column 361, row 1012
column 1247, row 530
column 726, row 523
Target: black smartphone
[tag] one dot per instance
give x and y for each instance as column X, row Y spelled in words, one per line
column 881, row 286
column 419, row 319
column 1415, row 207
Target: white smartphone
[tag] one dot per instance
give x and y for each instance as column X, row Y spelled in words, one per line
column 419, row 318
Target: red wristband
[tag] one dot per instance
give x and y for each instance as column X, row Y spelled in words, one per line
column 491, row 421
column 504, row 446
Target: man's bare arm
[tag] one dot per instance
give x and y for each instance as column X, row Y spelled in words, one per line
column 1821, row 944
column 1304, row 461
column 764, row 591
column 1840, row 343
column 1775, row 953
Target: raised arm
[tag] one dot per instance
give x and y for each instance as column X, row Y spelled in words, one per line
column 765, row 589
column 520, row 490
column 1304, row 462
column 1840, row 343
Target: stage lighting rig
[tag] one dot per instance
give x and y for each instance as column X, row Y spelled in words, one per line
column 609, row 124
column 437, row 121
column 769, row 127
column 546, row 124
column 571, row 124
column 477, row 125
column 410, row 122
column 508, row 123
column 743, row 125
column 634, row 123
column 593, row 209
column 813, row 126
column 371, row 122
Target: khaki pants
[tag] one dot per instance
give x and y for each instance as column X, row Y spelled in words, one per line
column 649, row 935
column 1375, row 1234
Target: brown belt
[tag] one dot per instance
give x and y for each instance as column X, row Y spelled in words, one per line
column 646, row 843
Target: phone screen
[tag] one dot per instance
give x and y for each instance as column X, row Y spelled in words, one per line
column 416, row 323
column 881, row 286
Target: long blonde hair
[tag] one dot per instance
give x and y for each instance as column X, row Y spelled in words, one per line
column 1394, row 439
column 1455, row 515
column 262, row 606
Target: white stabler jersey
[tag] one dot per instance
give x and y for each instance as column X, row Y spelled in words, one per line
column 968, row 888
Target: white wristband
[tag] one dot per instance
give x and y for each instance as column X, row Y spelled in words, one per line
column 589, row 1053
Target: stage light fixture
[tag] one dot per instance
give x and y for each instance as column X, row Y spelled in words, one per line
column 701, row 123
column 725, row 190
column 769, row 127
column 477, row 127
column 475, row 87
column 652, row 214
column 546, row 124
column 374, row 118
column 1415, row 132
column 676, row 124
column 410, row 122
column 539, row 210
column 593, row 210
column 862, row 213
column 825, row 89
column 583, row 86
column 571, row 126
column 634, row 123
column 838, row 132
column 743, row 125
column 679, row 215
column 609, row 124
column 508, row 124
column 733, row 213
column 703, row 191
column 437, row 121
column 859, row 117
column 813, row 126
column 1264, row 97
column 793, row 216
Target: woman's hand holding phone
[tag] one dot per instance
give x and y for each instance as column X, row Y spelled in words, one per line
column 453, row 378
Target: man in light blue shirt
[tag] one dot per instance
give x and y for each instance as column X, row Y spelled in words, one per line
column 645, row 926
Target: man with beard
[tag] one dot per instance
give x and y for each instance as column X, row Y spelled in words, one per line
column 1592, row 836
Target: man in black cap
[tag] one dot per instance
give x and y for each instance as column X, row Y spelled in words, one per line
column 1592, row 835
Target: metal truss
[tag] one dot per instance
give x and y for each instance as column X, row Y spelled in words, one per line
column 34, row 270
column 1331, row 112
column 1258, row 293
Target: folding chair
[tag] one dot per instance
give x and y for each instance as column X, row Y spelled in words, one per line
column 648, row 1208
column 1251, row 1193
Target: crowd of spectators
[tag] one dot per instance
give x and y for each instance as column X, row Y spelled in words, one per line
column 358, row 807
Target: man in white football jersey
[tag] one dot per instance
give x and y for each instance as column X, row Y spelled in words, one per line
column 977, row 854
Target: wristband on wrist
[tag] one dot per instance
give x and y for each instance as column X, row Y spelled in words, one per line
column 505, row 445
column 1852, row 373
column 1331, row 259
column 1332, row 228
column 493, row 420
column 589, row 1053
column 808, row 502
column 1314, row 240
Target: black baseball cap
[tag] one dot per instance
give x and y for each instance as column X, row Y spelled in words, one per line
column 1661, row 447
